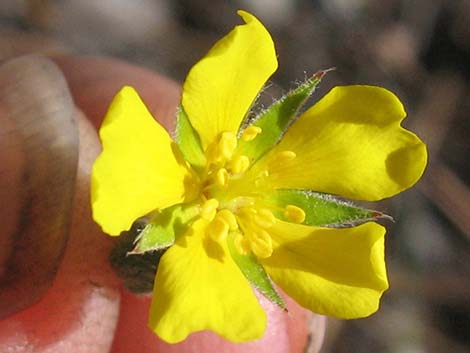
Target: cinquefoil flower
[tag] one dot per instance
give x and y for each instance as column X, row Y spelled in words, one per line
column 241, row 202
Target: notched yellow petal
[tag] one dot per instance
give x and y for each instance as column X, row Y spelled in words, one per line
column 220, row 88
column 337, row 272
column 195, row 292
column 139, row 169
column 353, row 145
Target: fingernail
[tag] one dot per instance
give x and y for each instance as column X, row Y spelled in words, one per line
column 38, row 161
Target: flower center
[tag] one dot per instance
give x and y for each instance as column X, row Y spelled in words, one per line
column 229, row 207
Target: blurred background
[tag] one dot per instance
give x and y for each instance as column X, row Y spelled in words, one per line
column 419, row 49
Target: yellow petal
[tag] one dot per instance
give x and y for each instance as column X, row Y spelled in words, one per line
column 139, row 168
column 199, row 287
column 336, row 272
column 220, row 88
column 351, row 144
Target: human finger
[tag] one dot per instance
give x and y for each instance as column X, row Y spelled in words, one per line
column 79, row 311
column 38, row 156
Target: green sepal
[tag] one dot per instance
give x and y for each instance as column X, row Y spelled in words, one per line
column 322, row 209
column 255, row 273
column 163, row 228
column 188, row 141
column 275, row 120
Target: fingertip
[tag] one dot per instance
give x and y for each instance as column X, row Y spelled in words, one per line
column 79, row 312
column 38, row 154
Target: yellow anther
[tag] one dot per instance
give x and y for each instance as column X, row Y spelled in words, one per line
column 294, row 214
column 217, row 229
column 209, row 209
column 229, row 218
column 221, row 177
column 261, row 251
column 241, row 244
column 264, row 218
column 285, row 156
column 227, row 145
column 261, row 244
column 221, row 150
column 239, row 164
column 263, row 237
column 250, row 133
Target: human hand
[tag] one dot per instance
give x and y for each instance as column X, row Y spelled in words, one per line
column 85, row 307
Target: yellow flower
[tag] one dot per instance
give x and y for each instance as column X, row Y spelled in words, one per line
column 243, row 201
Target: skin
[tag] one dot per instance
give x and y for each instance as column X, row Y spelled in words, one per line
column 79, row 304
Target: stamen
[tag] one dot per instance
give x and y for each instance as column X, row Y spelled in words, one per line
column 285, row 156
column 294, row 214
column 264, row 218
column 218, row 229
column 209, row 209
column 241, row 244
column 229, row 218
column 250, row 133
column 222, row 177
column 221, row 150
column 239, row 164
column 261, row 244
column 227, row 144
